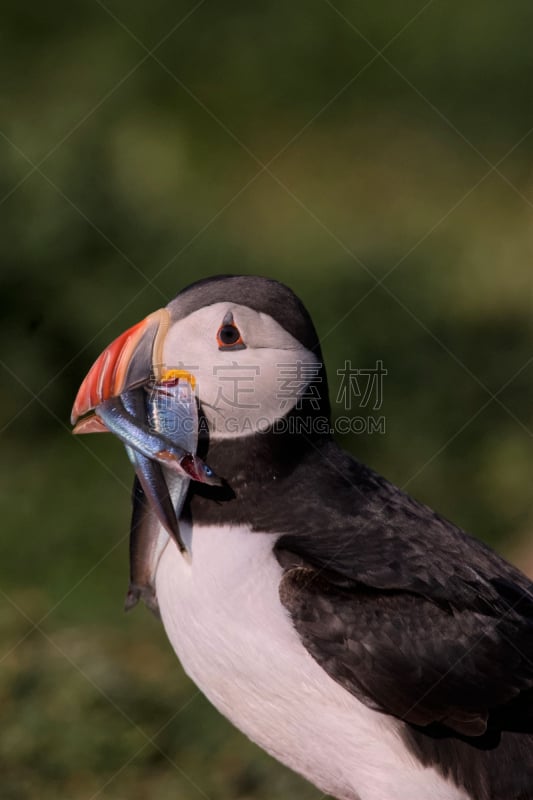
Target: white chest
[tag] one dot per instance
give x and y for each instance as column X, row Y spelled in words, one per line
column 224, row 619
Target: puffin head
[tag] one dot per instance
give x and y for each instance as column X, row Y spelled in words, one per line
column 247, row 344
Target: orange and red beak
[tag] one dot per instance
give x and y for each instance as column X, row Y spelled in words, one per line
column 129, row 361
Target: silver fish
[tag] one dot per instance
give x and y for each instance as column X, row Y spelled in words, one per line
column 150, row 473
column 133, row 433
column 148, row 539
column 171, row 412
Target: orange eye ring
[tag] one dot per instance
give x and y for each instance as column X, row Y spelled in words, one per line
column 229, row 337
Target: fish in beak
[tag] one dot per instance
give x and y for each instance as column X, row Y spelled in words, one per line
column 154, row 412
column 172, row 411
column 139, row 437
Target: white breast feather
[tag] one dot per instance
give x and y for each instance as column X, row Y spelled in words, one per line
column 223, row 616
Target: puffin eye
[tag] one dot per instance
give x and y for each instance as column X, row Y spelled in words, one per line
column 228, row 334
column 229, row 337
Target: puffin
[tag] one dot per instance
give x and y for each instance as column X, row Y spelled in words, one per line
column 348, row 629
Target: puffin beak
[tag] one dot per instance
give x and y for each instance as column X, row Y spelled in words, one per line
column 131, row 360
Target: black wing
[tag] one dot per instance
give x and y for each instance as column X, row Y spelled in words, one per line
column 411, row 657
column 409, row 613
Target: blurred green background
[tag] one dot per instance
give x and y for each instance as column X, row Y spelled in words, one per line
column 376, row 157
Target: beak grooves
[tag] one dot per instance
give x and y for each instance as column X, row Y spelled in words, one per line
column 128, row 361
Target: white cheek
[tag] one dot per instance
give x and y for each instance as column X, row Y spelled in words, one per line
column 244, row 394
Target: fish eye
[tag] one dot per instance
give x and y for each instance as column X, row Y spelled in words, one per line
column 229, row 337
